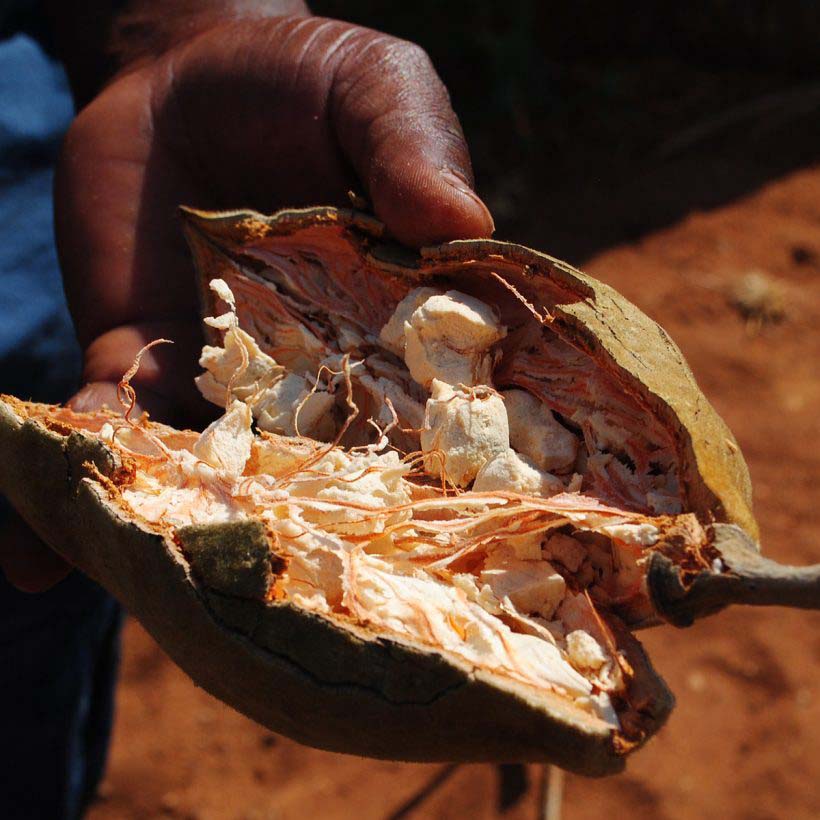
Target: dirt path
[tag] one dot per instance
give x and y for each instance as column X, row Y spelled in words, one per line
column 744, row 739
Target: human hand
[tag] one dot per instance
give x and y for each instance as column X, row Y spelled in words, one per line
column 260, row 113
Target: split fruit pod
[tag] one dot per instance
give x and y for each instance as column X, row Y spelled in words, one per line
column 418, row 625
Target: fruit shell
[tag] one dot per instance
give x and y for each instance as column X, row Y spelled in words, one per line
column 329, row 683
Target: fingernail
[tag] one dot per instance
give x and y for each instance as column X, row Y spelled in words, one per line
column 454, row 180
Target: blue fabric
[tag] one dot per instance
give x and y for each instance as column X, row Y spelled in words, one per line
column 38, row 351
column 58, row 649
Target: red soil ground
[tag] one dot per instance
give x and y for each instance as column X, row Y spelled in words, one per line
column 744, row 741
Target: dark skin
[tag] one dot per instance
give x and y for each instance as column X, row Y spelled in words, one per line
column 226, row 105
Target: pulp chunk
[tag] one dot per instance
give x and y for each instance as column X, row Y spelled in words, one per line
column 465, row 429
column 289, row 406
column 584, row 651
column 280, row 403
column 392, row 334
column 642, row 535
column 566, row 551
column 275, row 455
column 536, row 433
column 226, row 443
column 447, row 337
column 533, row 587
column 508, row 471
column 221, row 363
column 409, row 411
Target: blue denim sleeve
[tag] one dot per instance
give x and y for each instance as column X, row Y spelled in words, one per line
column 58, row 650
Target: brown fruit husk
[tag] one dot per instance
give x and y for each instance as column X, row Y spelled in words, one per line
column 206, row 593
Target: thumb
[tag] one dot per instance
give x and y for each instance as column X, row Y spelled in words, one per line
column 394, row 122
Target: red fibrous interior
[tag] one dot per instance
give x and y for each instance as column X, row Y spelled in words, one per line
column 526, row 587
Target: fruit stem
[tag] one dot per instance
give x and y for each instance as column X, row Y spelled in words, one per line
column 740, row 576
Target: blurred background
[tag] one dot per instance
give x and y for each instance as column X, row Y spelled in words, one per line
column 671, row 150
